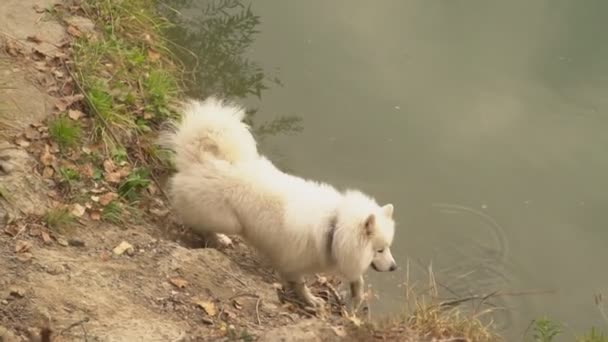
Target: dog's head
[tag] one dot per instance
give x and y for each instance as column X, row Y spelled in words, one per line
column 379, row 228
column 364, row 236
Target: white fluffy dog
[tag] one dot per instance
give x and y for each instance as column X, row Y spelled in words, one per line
column 223, row 186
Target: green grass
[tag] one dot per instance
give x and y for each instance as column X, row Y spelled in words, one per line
column 160, row 87
column 58, row 219
column 113, row 212
column 136, row 181
column 69, row 175
column 546, row 330
column 64, row 131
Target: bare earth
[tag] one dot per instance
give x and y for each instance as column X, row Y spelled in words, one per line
column 76, row 284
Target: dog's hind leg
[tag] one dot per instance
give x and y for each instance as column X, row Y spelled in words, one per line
column 298, row 284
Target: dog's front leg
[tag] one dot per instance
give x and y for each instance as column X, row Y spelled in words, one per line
column 356, row 290
column 298, row 284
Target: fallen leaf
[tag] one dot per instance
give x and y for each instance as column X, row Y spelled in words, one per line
column 277, row 286
column 63, row 242
column 34, row 39
column 122, row 248
column 22, row 246
column 153, row 55
column 31, row 134
column 75, row 114
column 47, row 157
column 12, row 230
column 23, row 142
column 95, row 198
column 237, row 304
column 209, row 307
column 77, row 210
column 109, row 166
column 87, row 170
column 48, row 172
column 105, row 199
column 74, row 31
column 159, row 212
column 112, row 177
column 178, row 282
column 46, row 237
column 24, row 257
column 63, row 103
column 339, row 331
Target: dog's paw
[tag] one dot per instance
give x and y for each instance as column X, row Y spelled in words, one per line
column 315, row 302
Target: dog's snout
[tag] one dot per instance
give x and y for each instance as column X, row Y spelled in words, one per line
column 393, row 267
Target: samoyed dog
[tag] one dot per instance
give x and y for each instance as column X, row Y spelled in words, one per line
column 223, row 186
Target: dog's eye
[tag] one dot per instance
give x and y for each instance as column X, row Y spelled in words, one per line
column 380, row 250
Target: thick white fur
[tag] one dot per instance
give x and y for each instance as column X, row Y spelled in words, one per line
column 224, row 186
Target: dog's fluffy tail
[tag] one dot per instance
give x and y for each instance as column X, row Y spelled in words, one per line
column 212, row 129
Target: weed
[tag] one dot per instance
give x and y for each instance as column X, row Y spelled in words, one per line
column 58, row 218
column 593, row 336
column 160, row 88
column 545, row 330
column 136, row 181
column 64, row 131
column 112, row 212
column 68, row 175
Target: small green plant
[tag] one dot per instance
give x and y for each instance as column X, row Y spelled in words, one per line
column 545, row 330
column 593, row 336
column 64, row 131
column 58, row 218
column 112, row 212
column 160, row 87
column 136, row 181
column 69, row 175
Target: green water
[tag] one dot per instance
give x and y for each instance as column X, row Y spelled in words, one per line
column 484, row 122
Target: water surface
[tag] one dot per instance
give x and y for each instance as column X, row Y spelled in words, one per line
column 485, row 123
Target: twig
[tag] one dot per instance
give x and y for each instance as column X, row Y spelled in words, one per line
column 19, row 232
column 257, row 310
column 81, row 322
column 243, row 294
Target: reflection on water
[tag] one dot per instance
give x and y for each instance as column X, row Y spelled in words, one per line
column 483, row 122
column 214, row 38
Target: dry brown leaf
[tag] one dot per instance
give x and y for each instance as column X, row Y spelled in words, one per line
column 159, row 212
column 339, row 331
column 62, row 242
column 48, row 172
column 95, row 198
column 178, row 282
column 153, row 55
column 22, row 246
column 87, row 170
column 46, row 237
column 95, row 215
column 77, row 210
column 209, row 307
column 355, row 320
column 24, row 257
column 109, row 166
column 34, row 39
column 63, row 103
column 74, row 31
column 75, row 114
column 47, row 158
column 112, row 177
column 124, row 172
column 22, row 142
column 86, row 150
column 31, row 134
column 105, row 199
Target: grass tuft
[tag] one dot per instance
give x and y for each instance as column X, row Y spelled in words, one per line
column 136, row 181
column 58, row 218
column 65, row 131
column 112, row 212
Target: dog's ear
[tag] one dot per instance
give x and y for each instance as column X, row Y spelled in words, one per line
column 370, row 224
column 388, row 210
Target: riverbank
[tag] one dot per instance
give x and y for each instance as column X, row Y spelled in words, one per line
column 89, row 244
